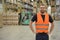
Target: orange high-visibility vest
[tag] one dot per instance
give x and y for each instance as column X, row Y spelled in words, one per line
column 42, row 26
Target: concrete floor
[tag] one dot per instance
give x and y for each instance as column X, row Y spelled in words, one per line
column 24, row 33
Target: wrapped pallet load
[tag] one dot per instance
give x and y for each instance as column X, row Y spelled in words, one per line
column 11, row 18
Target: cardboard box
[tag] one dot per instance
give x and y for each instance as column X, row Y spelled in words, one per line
column 53, row 3
column 10, row 19
column 53, row 9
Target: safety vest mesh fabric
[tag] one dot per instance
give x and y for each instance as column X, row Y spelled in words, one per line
column 42, row 26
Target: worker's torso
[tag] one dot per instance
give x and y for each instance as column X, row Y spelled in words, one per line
column 42, row 25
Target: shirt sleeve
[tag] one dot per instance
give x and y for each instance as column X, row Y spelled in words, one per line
column 34, row 18
column 50, row 19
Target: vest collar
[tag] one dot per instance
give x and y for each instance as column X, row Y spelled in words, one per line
column 42, row 14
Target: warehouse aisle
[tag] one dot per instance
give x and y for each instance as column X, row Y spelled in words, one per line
column 16, row 33
column 24, row 33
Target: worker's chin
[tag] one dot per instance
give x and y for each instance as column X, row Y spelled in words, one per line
column 42, row 11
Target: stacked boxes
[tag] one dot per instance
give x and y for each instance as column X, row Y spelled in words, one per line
column 53, row 6
column 10, row 19
column 57, row 15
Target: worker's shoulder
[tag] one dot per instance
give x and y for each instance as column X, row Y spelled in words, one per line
column 35, row 14
column 50, row 16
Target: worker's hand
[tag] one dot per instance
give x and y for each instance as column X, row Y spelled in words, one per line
column 49, row 33
column 34, row 32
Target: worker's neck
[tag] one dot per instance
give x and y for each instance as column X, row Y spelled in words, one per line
column 42, row 13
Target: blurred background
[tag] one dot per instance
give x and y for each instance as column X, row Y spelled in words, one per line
column 16, row 12
column 15, row 16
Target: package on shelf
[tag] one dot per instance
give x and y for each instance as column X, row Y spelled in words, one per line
column 53, row 3
column 18, row 0
column 7, row 0
column 11, row 1
column 14, row 1
column 53, row 9
column 26, row 1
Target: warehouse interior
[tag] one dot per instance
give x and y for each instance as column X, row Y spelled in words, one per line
column 15, row 16
column 13, row 12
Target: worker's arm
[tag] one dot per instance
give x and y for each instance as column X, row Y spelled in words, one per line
column 52, row 27
column 52, row 24
column 32, row 29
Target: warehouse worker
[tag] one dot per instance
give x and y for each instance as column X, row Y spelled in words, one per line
column 42, row 20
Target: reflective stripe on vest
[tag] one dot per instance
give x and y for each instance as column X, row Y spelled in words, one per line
column 41, row 28
column 42, row 24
